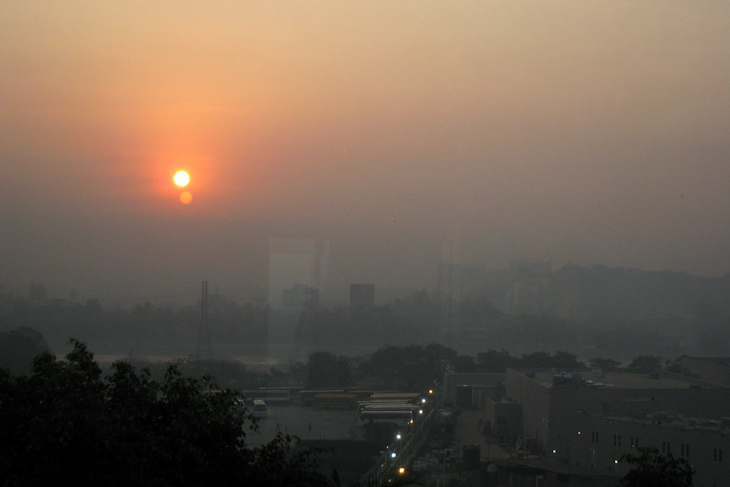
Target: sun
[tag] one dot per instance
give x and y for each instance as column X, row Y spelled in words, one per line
column 181, row 178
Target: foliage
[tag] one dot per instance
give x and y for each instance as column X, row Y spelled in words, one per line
column 409, row 368
column 19, row 347
column 325, row 369
column 675, row 366
column 655, row 470
column 560, row 360
column 64, row 422
column 643, row 364
column 494, row 361
column 607, row 364
column 291, row 373
column 230, row 374
column 463, row 364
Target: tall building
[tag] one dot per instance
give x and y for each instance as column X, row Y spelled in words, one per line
column 297, row 272
column 295, row 298
column 449, row 290
column 362, row 295
column 37, row 294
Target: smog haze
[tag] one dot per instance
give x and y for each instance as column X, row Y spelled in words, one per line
column 584, row 132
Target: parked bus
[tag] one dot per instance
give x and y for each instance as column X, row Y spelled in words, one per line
column 270, row 395
column 415, row 409
column 335, row 401
column 259, row 408
column 366, row 404
column 413, row 398
column 306, row 398
column 399, row 418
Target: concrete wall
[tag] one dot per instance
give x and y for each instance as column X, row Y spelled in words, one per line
column 505, row 419
column 534, row 399
column 452, row 379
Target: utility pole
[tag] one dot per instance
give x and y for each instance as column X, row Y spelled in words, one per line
column 204, row 330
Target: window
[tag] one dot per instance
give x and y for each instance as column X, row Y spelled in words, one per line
column 594, row 437
column 684, row 450
column 616, row 440
column 666, row 447
column 717, row 454
column 634, row 442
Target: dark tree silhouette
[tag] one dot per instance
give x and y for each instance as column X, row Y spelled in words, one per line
column 325, row 369
column 643, row 364
column 607, row 364
column 655, row 470
column 64, row 423
column 19, row 347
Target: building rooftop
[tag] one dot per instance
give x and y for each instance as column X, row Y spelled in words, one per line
column 715, row 360
column 660, row 417
column 611, row 380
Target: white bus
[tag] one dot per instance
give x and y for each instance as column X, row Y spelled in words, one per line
column 416, row 410
column 399, row 418
column 259, row 408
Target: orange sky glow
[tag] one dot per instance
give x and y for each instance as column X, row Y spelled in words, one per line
column 593, row 132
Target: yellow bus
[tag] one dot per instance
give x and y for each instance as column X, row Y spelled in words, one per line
column 306, row 398
column 335, row 401
column 412, row 397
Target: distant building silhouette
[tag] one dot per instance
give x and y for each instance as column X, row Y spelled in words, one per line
column 362, row 295
column 528, row 284
column 295, row 298
column 37, row 294
column 297, row 277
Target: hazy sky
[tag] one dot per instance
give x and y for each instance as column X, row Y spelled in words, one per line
column 582, row 131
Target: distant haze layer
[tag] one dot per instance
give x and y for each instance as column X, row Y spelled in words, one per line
column 591, row 132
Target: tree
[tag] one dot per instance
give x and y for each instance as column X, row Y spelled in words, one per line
column 655, row 470
column 19, row 347
column 541, row 360
column 566, row 361
column 643, row 364
column 325, row 369
column 606, row 364
column 65, row 422
column 675, row 366
column 494, row 361
column 409, row 368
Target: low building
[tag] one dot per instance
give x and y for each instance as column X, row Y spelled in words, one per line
column 599, row 442
column 471, row 390
column 714, row 370
column 569, row 419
